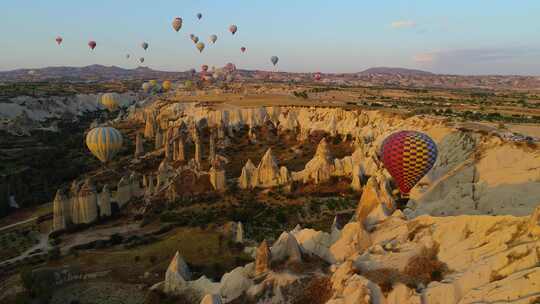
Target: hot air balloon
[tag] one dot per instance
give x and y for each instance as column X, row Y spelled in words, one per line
column 177, row 23
column 144, row 45
column 166, row 85
column 199, row 16
column 317, row 76
column 233, row 28
column 104, row 143
column 200, row 46
column 141, row 60
column 92, row 44
column 274, row 60
column 127, row 56
column 408, row 156
column 146, row 87
column 192, row 72
column 242, row 49
column 153, row 82
column 111, row 101
column 195, row 39
column 213, row 38
column 204, row 68
column 59, row 40
column 188, row 84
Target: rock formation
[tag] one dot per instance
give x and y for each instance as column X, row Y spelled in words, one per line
column 262, row 258
column 248, row 178
column 212, row 148
column 60, row 211
column 165, row 172
column 87, row 199
column 286, row 248
column 150, row 126
column 158, row 143
column 217, row 177
column 181, row 152
column 139, row 148
column 268, row 172
column 198, row 150
column 375, row 196
column 104, row 202
column 320, row 168
column 123, row 191
column 239, row 235
column 176, row 276
column 211, row 299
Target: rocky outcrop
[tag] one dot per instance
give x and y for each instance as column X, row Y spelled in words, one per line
column 320, row 168
column 354, row 240
column 198, row 150
column 239, row 235
column 267, row 174
column 217, row 177
column 534, row 223
column 286, row 248
column 150, row 126
column 123, row 191
column 164, row 174
column 158, row 141
column 248, row 179
column 211, row 299
column 88, row 210
column 212, row 147
column 376, row 195
column 139, row 148
column 177, row 275
column 104, row 202
column 180, row 150
column 262, row 258
column 60, row 211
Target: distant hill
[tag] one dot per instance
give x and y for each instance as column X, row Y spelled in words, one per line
column 395, row 71
column 88, row 73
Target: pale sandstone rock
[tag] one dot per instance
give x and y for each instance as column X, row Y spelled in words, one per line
column 158, row 142
column 401, row 294
column 262, row 258
column 353, row 241
column 211, row 299
column 268, row 171
column 139, row 148
column 248, row 178
column 234, row 284
column 123, row 191
column 88, row 212
column 104, row 202
column 286, row 248
column 217, row 178
column 177, row 275
column 60, row 211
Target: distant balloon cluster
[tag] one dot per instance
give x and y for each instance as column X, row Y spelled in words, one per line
column 177, row 23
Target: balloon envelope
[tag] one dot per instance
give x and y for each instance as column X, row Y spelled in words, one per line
column 243, row 49
column 144, row 45
column 141, row 59
column 274, row 60
column 59, row 40
column 195, row 39
column 204, row 67
column 146, row 87
column 233, row 28
column 92, row 44
column 104, row 143
column 408, row 156
column 199, row 16
column 111, row 101
column 166, row 85
column 177, row 23
column 200, row 46
column 213, row 38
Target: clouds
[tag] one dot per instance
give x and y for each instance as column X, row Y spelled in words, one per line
column 403, row 24
column 481, row 60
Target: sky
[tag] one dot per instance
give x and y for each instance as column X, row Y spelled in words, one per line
column 453, row 37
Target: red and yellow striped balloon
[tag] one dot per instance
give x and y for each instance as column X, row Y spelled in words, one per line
column 408, row 156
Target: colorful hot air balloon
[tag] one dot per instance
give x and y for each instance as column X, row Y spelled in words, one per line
column 200, row 46
column 204, row 68
column 199, row 16
column 59, row 40
column 153, row 82
column 317, row 76
column 233, row 28
column 92, row 44
column 144, row 45
column 274, row 60
column 213, row 38
column 195, row 39
column 166, row 85
column 177, row 23
column 146, row 87
column 408, row 156
column 141, row 60
column 242, row 49
column 111, row 101
column 104, row 143
column 230, row 67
